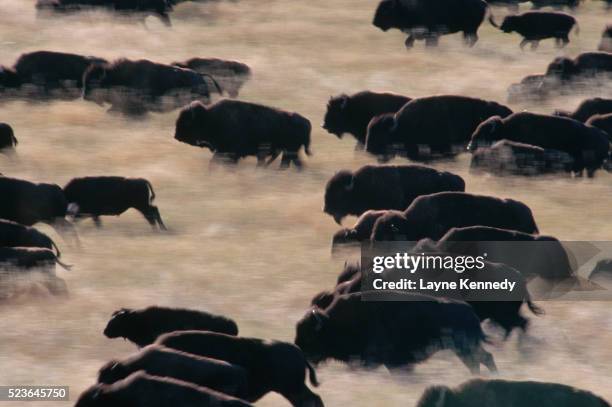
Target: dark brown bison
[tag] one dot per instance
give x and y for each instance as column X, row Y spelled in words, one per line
column 397, row 334
column 100, row 196
column 143, row 390
column 511, row 158
column 606, row 40
column 26, row 258
column 384, row 187
column 28, row 203
column 509, row 394
column 143, row 326
column 588, row 108
column 8, row 141
column 159, row 8
column 540, row 25
column 165, row 362
column 587, row 145
column 271, row 366
column 136, row 87
column 14, row 234
column 234, row 129
column 429, row 127
column 429, row 19
column 431, row 216
column 585, row 65
column 231, row 75
column 352, row 113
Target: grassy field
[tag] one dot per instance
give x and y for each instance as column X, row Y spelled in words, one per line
column 254, row 244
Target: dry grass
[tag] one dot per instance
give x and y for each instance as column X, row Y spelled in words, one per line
column 254, row 244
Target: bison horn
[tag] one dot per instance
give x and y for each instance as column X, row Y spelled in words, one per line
column 318, row 318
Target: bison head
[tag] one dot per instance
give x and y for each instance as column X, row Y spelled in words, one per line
column 436, row 396
column 334, row 121
column 112, row 372
column 9, row 78
column 119, row 325
column 562, row 68
column 393, row 226
column 486, row 132
column 92, row 397
column 339, row 195
column 322, row 300
column 509, row 24
column 189, row 125
column 310, row 333
column 386, row 15
column 379, row 136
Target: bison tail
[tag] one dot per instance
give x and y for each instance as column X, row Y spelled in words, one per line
column 492, row 20
column 65, row 266
column 152, row 197
column 58, row 254
column 15, row 142
column 307, row 131
column 312, row 374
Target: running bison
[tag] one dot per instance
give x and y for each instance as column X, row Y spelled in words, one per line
column 429, row 19
column 8, row 141
column 384, row 187
column 509, row 394
column 606, row 40
column 159, row 8
column 234, row 129
column 231, row 75
column 352, row 113
column 431, row 216
column 397, row 334
column 47, row 73
column 143, row 390
column 587, row 145
column 100, row 196
column 540, row 25
column 165, row 362
column 588, row 108
column 29, row 203
column 585, row 65
column 14, row 234
column 511, row 158
column 144, row 326
column 271, row 366
column 429, row 127
column 28, row 258
column 136, row 87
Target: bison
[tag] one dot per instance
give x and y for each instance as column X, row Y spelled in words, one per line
column 231, row 75
column 396, row 334
column 159, row 8
column 588, row 108
column 585, row 65
column 143, row 326
column 137, row 87
column 429, row 19
column 384, row 187
column 509, row 394
column 510, row 158
column 29, row 203
column 13, row 234
column 352, row 113
column 271, row 366
column 143, row 390
column 430, row 126
column 98, row 196
column 165, row 362
column 587, row 145
column 606, row 40
column 431, row 216
column 234, row 129
column 26, row 258
column 8, row 141
column 539, row 25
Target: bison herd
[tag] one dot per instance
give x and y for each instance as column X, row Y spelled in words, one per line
column 191, row 357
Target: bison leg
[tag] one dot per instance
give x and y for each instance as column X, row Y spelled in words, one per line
column 151, row 214
column 409, row 43
column 470, row 38
column 273, row 157
column 523, row 43
column 305, row 398
column 431, row 41
column 562, row 41
column 285, row 161
column 471, row 361
column 97, row 221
